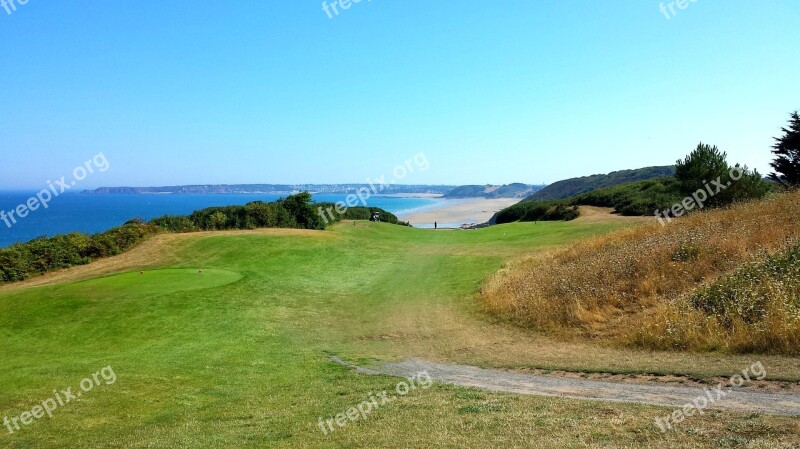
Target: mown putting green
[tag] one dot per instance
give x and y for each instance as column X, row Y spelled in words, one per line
column 238, row 356
column 152, row 282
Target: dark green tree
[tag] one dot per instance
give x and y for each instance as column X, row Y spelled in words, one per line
column 299, row 206
column 706, row 168
column 787, row 154
column 704, row 164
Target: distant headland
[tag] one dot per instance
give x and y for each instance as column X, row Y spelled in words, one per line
column 332, row 189
column 446, row 191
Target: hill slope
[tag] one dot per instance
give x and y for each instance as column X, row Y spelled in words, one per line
column 575, row 186
column 656, row 287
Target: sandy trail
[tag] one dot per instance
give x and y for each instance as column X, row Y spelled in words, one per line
column 662, row 395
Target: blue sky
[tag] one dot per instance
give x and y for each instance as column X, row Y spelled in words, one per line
column 252, row 91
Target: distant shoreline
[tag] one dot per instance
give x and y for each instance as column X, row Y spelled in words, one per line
column 273, row 189
column 387, row 195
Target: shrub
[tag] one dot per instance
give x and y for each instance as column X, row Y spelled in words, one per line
column 175, row 223
column 296, row 211
column 537, row 211
column 742, row 296
column 24, row 260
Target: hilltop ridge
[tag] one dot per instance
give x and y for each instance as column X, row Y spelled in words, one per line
column 575, row 186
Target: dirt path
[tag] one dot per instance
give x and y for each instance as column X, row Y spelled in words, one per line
column 586, row 389
column 592, row 214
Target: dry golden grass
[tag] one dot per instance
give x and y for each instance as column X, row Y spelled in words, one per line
column 633, row 286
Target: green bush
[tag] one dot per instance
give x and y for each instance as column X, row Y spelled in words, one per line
column 24, row 260
column 175, row 223
column 537, row 211
column 364, row 213
column 295, row 211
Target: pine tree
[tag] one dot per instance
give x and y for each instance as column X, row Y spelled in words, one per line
column 787, row 154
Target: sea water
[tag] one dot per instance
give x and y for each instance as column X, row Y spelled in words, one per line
column 91, row 214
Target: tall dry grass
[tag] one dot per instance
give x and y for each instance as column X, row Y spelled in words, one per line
column 635, row 286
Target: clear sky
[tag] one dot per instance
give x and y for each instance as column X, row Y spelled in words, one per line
column 266, row 91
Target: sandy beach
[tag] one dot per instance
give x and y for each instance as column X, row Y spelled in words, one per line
column 454, row 213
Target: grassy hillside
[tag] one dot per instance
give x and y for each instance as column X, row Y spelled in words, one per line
column 757, row 308
column 640, row 287
column 634, row 199
column 576, row 186
column 224, row 341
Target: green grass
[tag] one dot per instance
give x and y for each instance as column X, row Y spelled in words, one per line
column 238, row 355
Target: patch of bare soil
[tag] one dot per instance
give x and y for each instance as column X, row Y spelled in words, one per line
column 592, row 214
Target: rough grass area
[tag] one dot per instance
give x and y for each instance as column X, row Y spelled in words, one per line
column 612, row 285
column 755, row 309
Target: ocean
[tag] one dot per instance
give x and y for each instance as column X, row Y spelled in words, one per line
column 91, row 214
